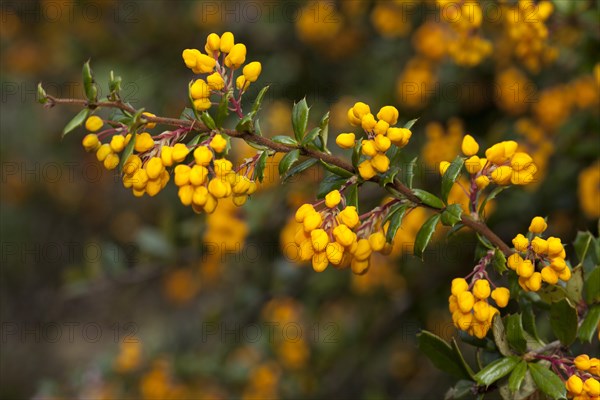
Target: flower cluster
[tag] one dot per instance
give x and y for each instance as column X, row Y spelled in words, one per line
column 469, row 305
column 222, row 53
column 335, row 235
column 533, row 253
column 583, row 384
column 380, row 136
column 208, row 180
column 503, row 164
column 106, row 153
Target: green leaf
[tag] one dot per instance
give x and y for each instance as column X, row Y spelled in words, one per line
column 552, row 293
column 395, row 217
column 245, row 124
column 298, row 168
column 114, row 83
column 461, row 358
column 127, row 151
column 424, row 235
column 528, row 319
column 300, row 119
column 257, row 129
column 89, row 85
column 410, row 123
column 450, row 176
column 499, row 261
column 582, row 245
column 42, row 97
column 258, row 101
column 496, row 370
column 428, row 198
column 441, row 354
column 500, row 339
column 389, row 176
column 196, row 140
column 590, row 324
column 592, row 286
column 331, row 182
column 410, row 172
column 334, row 169
column 324, row 131
column 515, row 334
column 287, row 161
column 77, row 121
column 356, row 153
column 547, row 381
column 461, row 390
column 352, row 196
column 282, row 139
column 208, row 120
column 516, row 377
column 563, row 320
column 574, row 287
column 311, row 136
column 259, row 170
column 452, row 214
column 491, row 196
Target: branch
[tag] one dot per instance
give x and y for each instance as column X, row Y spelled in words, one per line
column 468, row 221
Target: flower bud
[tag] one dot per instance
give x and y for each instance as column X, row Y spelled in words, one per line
column 227, row 42
column 501, row 296
column 252, row 71
column 469, row 147
column 349, row 217
column 388, row 114
column 481, row 289
column 377, row 240
column 320, row 261
column 236, row 56
column 215, row 81
column 94, row 123
column 366, row 170
column 218, row 143
column 333, row 198
column 346, row 140
column 459, row 285
column 335, row 252
column 520, row 242
column 199, row 89
column 203, row 155
column 538, row 225
column 90, row 142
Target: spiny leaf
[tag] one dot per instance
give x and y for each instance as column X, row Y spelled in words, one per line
column 76, row 121
column 300, row 113
column 424, row 235
column 287, row 161
column 450, row 176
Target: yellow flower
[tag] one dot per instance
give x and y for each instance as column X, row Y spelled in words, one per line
column 218, row 143
column 236, row 56
column 190, row 57
column 143, row 142
column 549, row 275
column 473, row 165
column 363, row 250
column 481, row 289
column 218, row 188
column 304, row 210
column 368, row 122
column 227, row 42
column 333, row 198
column 180, row 152
column 241, row 83
column 111, row 161
column 203, row 155
column 252, row 71
column 459, row 285
column 502, row 175
column 202, row 104
column 535, row 282
column 525, row 269
column 346, row 140
column 520, row 242
column 538, row 225
column 335, row 252
column 366, row 170
column 389, row 114
column 466, row 300
column 360, row 110
column 582, row 362
column 215, row 81
column 381, row 163
column 382, row 143
column 319, row 239
column 349, row 217
column 482, row 182
column 444, row 167
column 592, row 387
column 574, row 385
column 93, row 123
column 501, row 296
column 213, row 43
column 199, row 89
column 90, row 142
column 312, row 221
column 469, row 147
column 320, row 261
column 154, row 167
column 377, row 240
column 343, row 235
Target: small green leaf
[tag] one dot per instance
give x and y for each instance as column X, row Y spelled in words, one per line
column 516, row 377
column 428, row 198
column 300, row 119
column 114, row 83
column 127, row 151
column 311, row 136
column 76, row 121
column 450, row 176
column 592, row 286
column 352, row 196
column 336, row 170
column 324, row 131
column 515, row 334
column 258, row 100
column 491, row 196
column 499, row 261
column 424, row 235
column 499, row 333
column 547, row 381
column 287, row 161
column 257, row 129
column 552, row 293
column 441, row 354
column 395, row 217
column 528, row 319
column 282, row 139
column 298, row 168
column 496, row 370
column 410, row 172
column 208, row 120
column 590, row 324
column 582, row 244
column 245, row 124
column 89, row 85
column 389, row 176
column 42, row 97
column 563, row 320
column 356, row 153
column 410, row 123
column 452, row 214
column 331, row 182
column 461, row 358
column 259, row 170
column 575, row 285
column 196, row 139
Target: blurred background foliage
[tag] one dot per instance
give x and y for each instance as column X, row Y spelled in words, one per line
column 109, row 296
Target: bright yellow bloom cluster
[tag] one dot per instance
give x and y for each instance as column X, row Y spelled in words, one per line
column 148, row 177
column 335, row 236
column 469, row 305
column 534, row 252
column 221, row 53
column 503, row 164
column 208, row 180
column 107, row 153
column 380, row 136
column 584, row 384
